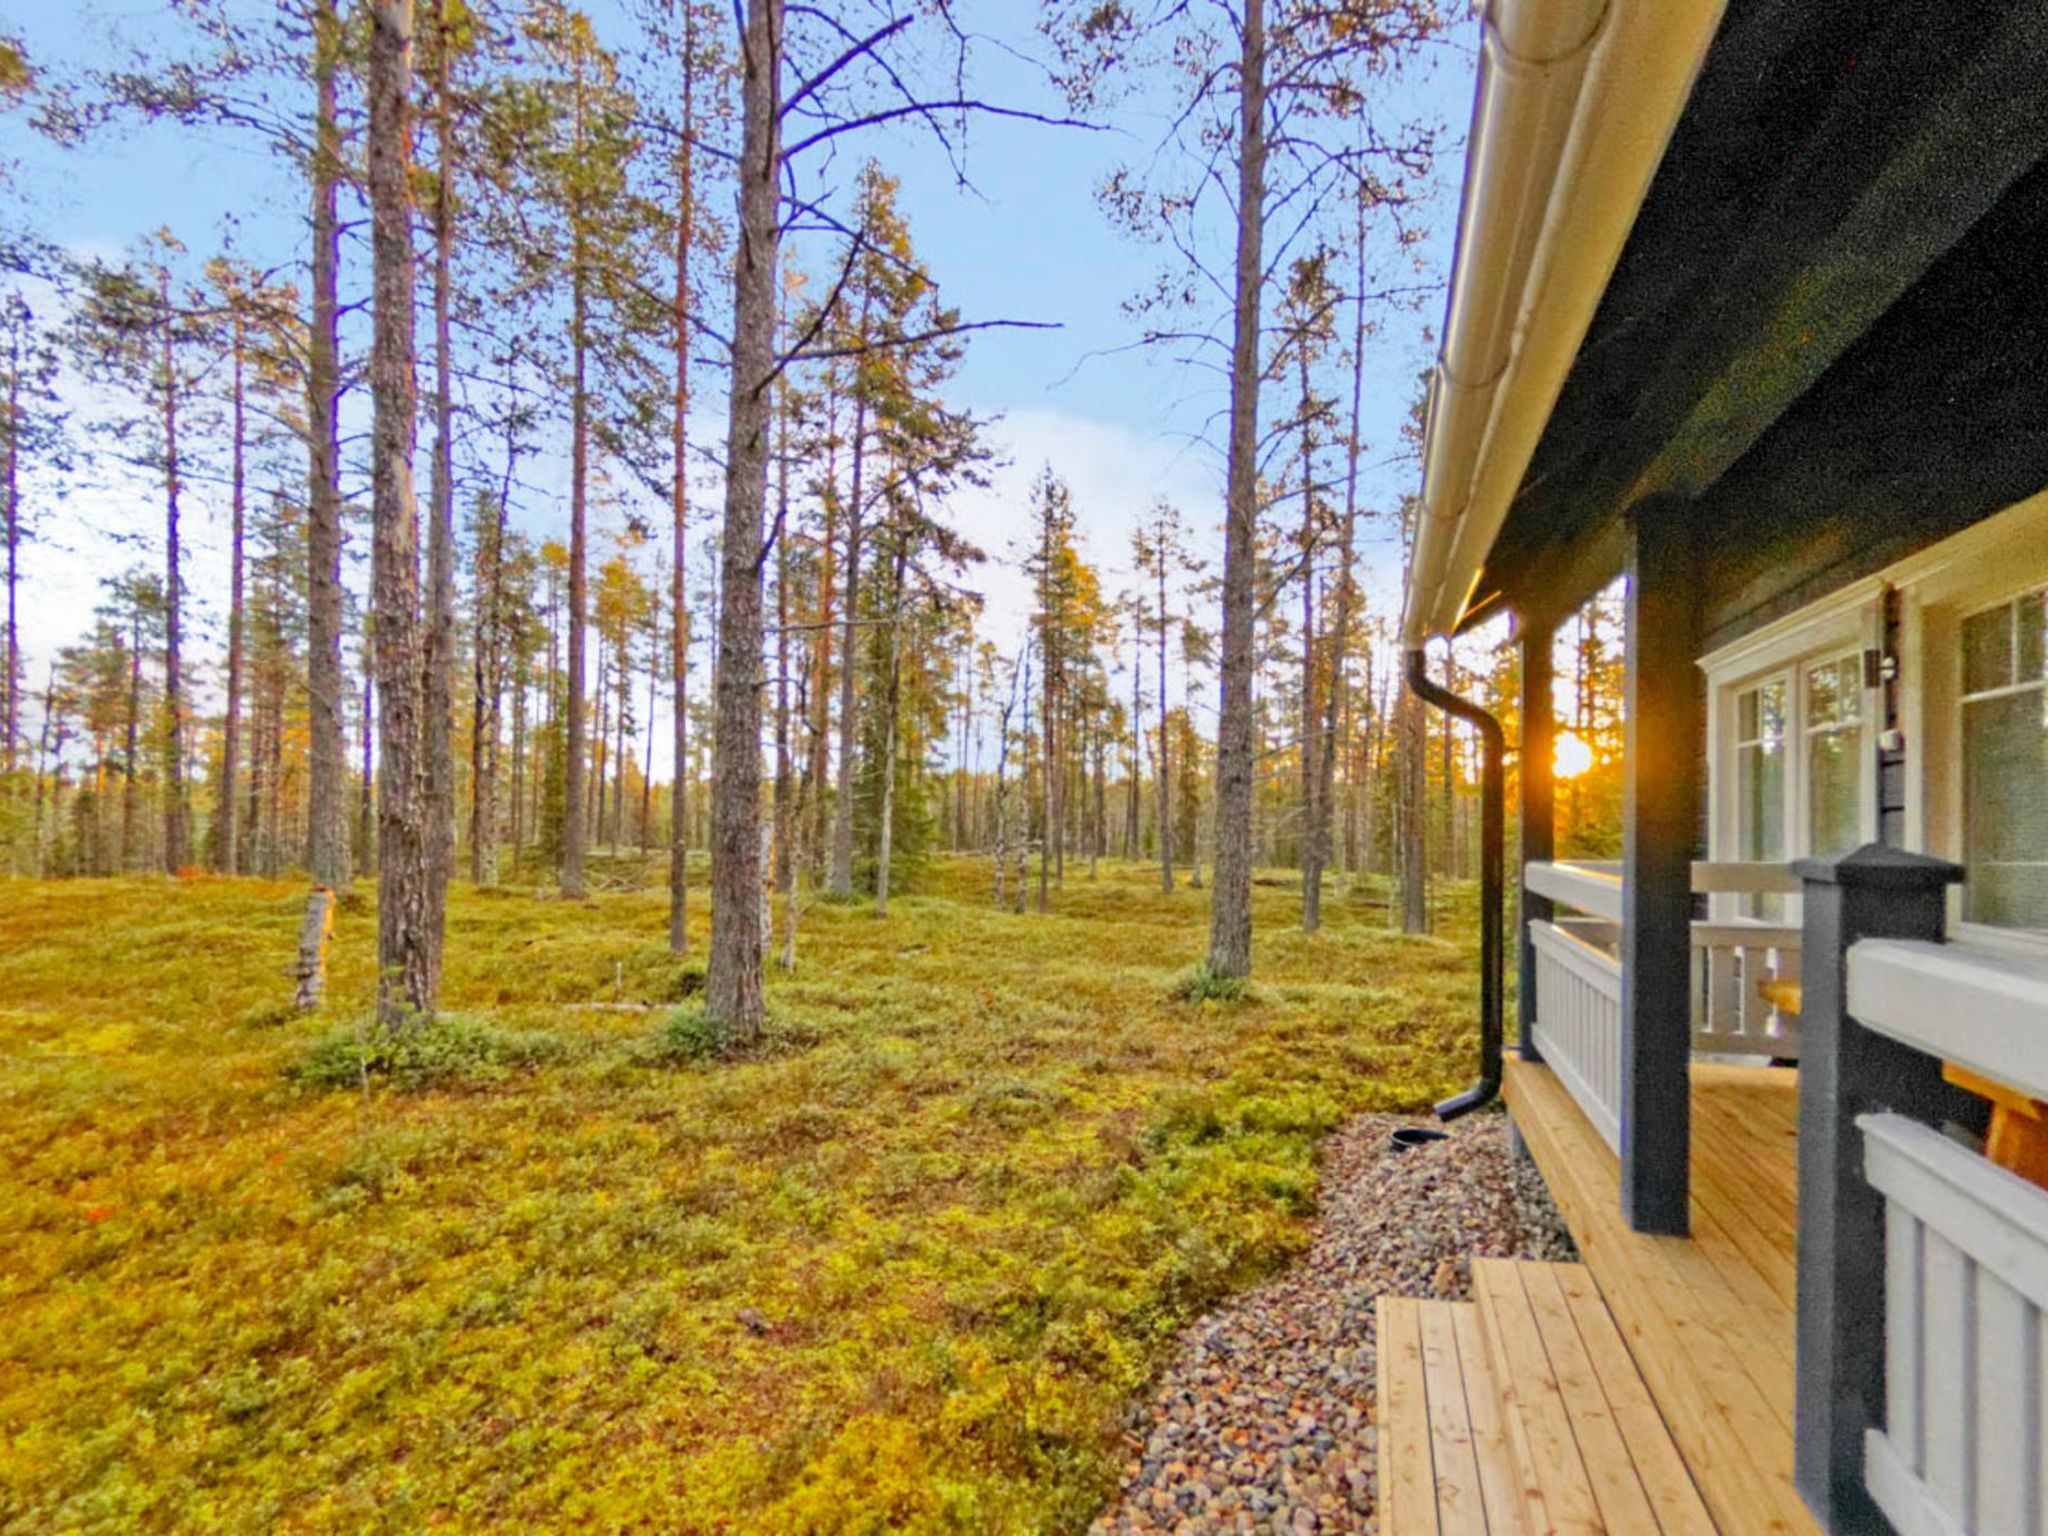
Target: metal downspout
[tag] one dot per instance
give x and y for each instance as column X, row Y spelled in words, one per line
column 1492, row 879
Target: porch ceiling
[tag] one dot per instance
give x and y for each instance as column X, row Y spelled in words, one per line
column 1820, row 291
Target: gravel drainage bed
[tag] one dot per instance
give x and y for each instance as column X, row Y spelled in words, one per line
column 1263, row 1419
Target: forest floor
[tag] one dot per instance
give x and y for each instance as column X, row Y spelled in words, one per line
column 908, row 1269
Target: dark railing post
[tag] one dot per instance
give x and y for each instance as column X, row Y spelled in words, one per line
column 1846, row 1070
column 1660, row 823
column 1538, row 813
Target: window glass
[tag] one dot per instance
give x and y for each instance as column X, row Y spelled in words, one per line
column 1834, row 755
column 2030, row 636
column 1760, row 783
column 1761, row 772
column 1987, row 649
column 2005, row 770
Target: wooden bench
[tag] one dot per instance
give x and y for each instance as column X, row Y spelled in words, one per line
column 1522, row 1414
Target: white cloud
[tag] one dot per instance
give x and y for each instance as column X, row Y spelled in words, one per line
column 1115, row 474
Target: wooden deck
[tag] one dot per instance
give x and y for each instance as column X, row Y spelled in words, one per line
column 1708, row 1319
column 1523, row 1413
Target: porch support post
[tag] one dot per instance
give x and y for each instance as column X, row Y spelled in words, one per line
column 1846, row 1070
column 1538, row 811
column 1660, row 818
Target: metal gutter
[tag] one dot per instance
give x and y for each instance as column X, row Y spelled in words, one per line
column 1576, row 102
column 1492, row 881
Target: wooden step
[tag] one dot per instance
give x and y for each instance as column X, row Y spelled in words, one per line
column 1589, row 1450
column 1444, row 1465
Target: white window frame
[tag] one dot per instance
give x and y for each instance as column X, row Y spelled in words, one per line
column 1993, row 561
column 1966, row 599
column 1837, row 628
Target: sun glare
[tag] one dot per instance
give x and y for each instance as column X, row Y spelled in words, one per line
column 1573, row 757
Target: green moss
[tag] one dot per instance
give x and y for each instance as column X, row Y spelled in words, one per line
column 900, row 1268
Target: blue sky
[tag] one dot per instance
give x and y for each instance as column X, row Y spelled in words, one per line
column 1026, row 241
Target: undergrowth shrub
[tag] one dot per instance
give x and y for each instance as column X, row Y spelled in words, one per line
column 452, row 1050
column 686, row 1036
column 1202, row 985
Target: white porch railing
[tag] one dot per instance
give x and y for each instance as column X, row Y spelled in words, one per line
column 1578, row 1022
column 1578, row 978
column 1731, row 963
column 1964, row 1448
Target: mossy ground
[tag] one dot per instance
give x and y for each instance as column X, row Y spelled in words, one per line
column 901, row 1272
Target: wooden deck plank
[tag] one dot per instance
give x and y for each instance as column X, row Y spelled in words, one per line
column 1708, row 1329
column 1679, row 1508
column 1752, row 1141
column 1557, row 1488
column 1611, row 1471
column 1728, row 1243
column 1460, row 1499
column 1490, row 1447
column 1755, row 1233
column 1713, row 1347
column 1407, row 1480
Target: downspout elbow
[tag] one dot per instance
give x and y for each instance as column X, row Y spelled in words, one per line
column 1492, row 880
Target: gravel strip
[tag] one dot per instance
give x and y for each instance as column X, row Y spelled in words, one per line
column 1263, row 1419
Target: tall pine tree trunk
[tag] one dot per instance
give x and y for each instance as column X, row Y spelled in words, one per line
column 226, row 853
column 488, row 671
column 849, row 699
column 176, row 826
column 42, row 765
column 647, row 755
column 405, row 921
column 1230, row 908
column 10, row 493
column 366, row 799
column 886, row 833
column 1133, row 790
column 1047, row 692
column 1321, row 805
column 131, row 787
column 1411, row 855
column 733, row 997
column 819, row 697
column 1311, row 717
column 437, row 778
column 1163, row 753
column 784, row 819
column 1097, row 844
column 327, row 818
column 679, row 506
column 576, row 731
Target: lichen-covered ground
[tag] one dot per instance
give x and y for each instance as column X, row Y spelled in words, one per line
column 906, row 1271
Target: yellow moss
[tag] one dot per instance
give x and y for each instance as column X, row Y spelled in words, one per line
column 900, row 1273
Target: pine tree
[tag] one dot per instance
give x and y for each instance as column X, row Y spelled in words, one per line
column 33, row 443
column 582, row 149
column 406, row 919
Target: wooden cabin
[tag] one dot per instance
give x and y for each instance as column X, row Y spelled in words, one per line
column 1750, row 308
